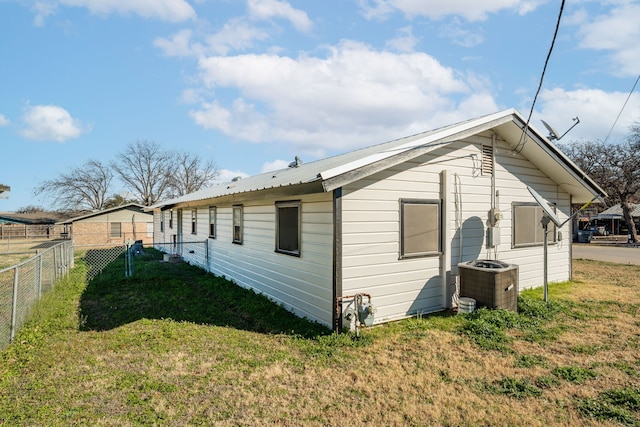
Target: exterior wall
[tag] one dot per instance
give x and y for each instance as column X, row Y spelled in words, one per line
column 406, row 287
column 301, row 284
column 370, row 240
column 96, row 230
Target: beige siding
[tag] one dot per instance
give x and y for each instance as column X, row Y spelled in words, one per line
column 405, row 287
column 96, row 230
column 301, row 284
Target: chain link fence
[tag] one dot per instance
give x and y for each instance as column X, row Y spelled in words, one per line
column 23, row 284
column 99, row 257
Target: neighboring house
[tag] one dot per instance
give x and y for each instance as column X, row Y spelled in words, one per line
column 613, row 219
column 113, row 226
column 30, row 225
column 391, row 220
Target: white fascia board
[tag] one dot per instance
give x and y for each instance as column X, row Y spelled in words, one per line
column 436, row 136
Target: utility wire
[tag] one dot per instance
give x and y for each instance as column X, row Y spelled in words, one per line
column 522, row 141
column 621, row 110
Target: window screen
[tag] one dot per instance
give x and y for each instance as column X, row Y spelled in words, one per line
column 527, row 230
column 115, row 229
column 288, row 227
column 237, row 224
column 420, row 228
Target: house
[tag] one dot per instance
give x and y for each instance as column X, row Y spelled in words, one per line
column 388, row 223
column 32, row 225
column 613, row 218
column 113, row 226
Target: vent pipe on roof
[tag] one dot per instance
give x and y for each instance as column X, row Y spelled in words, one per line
column 297, row 162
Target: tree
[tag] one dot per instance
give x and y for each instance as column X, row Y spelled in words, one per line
column 615, row 167
column 83, row 187
column 191, row 174
column 146, row 170
column 30, row 209
column 118, row 200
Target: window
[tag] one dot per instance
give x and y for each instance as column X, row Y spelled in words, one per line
column 288, row 227
column 419, row 228
column 162, row 222
column 115, row 229
column 237, row 224
column 527, row 230
column 194, row 221
column 212, row 222
column 171, row 218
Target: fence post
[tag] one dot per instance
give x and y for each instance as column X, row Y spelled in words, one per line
column 14, row 306
column 55, row 268
column 39, row 274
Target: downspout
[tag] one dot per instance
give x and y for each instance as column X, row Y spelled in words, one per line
column 337, row 257
column 495, row 209
column 445, row 226
column 493, row 177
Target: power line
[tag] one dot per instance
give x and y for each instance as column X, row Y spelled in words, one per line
column 544, row 70
column 622, row 109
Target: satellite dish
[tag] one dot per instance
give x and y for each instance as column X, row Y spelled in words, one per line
column 545, row 207
column 553, row 134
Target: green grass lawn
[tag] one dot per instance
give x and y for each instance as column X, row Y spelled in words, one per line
column 177, row 346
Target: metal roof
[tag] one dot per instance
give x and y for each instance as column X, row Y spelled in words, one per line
column 616, row 212
column 333, row 172
column 105, row 211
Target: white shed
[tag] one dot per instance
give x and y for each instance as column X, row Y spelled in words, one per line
column 391, row 221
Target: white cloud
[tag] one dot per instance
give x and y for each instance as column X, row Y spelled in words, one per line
column 353, row 96
column 179, row 44
column 3, row 121
column 404, row 42
column 458, row 34
column 267, row 9
column 275, row 165
column 437, row 9
column 617, row 32
column 596, row 109
column 237, row 34
column 164, row 10
column 42, row 10
column 51, row 123
column 226, row 175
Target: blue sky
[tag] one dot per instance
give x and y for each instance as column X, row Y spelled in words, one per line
column 250, row 84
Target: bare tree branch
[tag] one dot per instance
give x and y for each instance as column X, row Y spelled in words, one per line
column 615, row 167
column 84, row 187
column 146, row 170
column 191, row 174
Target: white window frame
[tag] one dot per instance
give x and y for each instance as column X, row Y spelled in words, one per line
column 534, row 230
column 194, row 221
column 213, row 213
column 237, row 220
